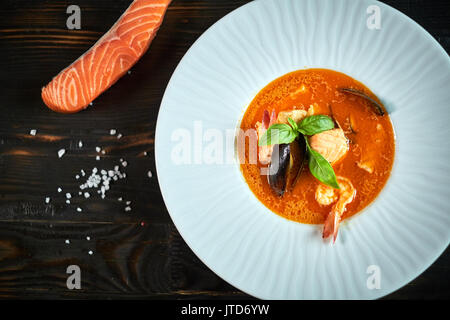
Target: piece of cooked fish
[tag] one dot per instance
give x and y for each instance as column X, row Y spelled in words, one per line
column 296, row 115
column 331, row 144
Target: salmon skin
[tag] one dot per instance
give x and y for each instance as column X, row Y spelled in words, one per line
column 74, row 88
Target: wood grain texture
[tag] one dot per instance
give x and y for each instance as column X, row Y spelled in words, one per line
column 137, row 254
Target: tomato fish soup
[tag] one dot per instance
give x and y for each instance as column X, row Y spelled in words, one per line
column 359, row 148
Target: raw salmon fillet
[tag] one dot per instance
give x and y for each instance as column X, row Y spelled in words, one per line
column 74, row 88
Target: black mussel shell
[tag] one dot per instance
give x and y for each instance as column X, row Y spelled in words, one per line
column 286, row 165
column 377, row 107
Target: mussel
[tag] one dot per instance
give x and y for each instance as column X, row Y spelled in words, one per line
column 286, row 165
column 377, row 107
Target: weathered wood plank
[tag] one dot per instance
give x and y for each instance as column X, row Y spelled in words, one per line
column 132, row 260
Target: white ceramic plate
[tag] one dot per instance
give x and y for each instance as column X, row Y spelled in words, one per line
column 397, row 237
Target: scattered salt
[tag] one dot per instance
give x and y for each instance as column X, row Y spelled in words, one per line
column 67, row 241
column 149, row 173
column 47, row 199
column 119, row 136
column 80, row 144
column 68, row 201
column 97, row 158
column 91, row 252
column 112, row 132
column 59, row 190
column 61, row 153
column 79, row 209
column 68, row 195
column 98, row 149
column 127, row 209
column 88, row 238
column 33, row 132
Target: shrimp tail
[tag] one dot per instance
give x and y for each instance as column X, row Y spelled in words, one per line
column 273, row 117
column 265, row 120
column 331, row 225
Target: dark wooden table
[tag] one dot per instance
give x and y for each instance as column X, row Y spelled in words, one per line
column 135, row 254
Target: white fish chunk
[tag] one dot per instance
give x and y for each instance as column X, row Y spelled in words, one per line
column 296, row 115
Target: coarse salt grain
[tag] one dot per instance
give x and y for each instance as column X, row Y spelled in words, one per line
column 98, row 149
column 91, row 252
column 61, row 153
column 68, row 201
column 149, row 174
column 127, row 209
column 112, row 132
column 59, row 190
column 88, row 238
column 97, row 158
column 33, row 132
column 68, row 195
column 100, row 180
column 47, row 199
column 80, row 144
column 67, row 241
column 79, row 209
column 119, row 136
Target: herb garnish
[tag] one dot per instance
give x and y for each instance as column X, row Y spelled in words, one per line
column 287, row 133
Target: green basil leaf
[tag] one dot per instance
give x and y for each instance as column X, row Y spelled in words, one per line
column 277, row 134
column 315, row 124
column 321, row 168
column 293, row 124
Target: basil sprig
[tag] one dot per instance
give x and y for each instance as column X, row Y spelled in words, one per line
column 315, row 124
column 321, row 168
column 280, row 133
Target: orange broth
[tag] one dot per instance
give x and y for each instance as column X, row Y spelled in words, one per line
column 371, row 138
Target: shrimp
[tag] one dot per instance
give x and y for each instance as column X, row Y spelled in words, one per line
column 325, row 194
column 265, row 152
